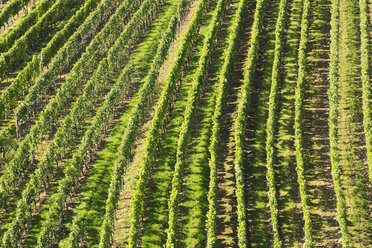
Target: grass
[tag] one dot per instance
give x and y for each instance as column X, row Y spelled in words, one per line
column 96, row 177
column 95, row 188
column 89, row 197
column 122, row 224
column 9, row 122
column 194, row 199
column 156, row 219
column 289, row 204
column 257, row 201
column 194, row 204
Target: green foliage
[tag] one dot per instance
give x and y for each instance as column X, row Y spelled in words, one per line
column 77, row 232
column 162, row 108
column 133, row 125
column 10, row 9
column 184, row 136
column 298, row 125
column 65, row 58
column 104, row 65
column 224, row 78
column 17, row 52
column 24, row 79
column 20, row 27
column 241, row 123
column 366, row 87
column 101, row 120
column 88, row 144
column 270, row 124
column 116, row 56
column 65, row 94
column 333, row 123
column 64, row 134
column 96, row 50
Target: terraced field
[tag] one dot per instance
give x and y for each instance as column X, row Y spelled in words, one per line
column 185, row 123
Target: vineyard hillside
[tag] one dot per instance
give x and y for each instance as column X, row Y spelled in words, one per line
column 185, row 123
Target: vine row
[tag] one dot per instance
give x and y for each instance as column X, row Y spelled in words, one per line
column 224, row 78
column 82, row 106
column 10, row 9
column 139, row 22
column 84, row 41
column 9, row 97
column 131, row 130
column 298, row 123
column 162, row 108
column 20, row 27
column 16, row 53
column 65, row 94
column 333, row 122
column 82, row 156
column 366, row 87
column 241, row 122
column 271, row 122
column 184, row 136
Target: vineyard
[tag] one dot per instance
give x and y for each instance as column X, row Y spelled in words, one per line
column 185, row 123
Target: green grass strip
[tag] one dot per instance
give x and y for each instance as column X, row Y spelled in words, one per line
column 184, row 136
column 173, row 77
